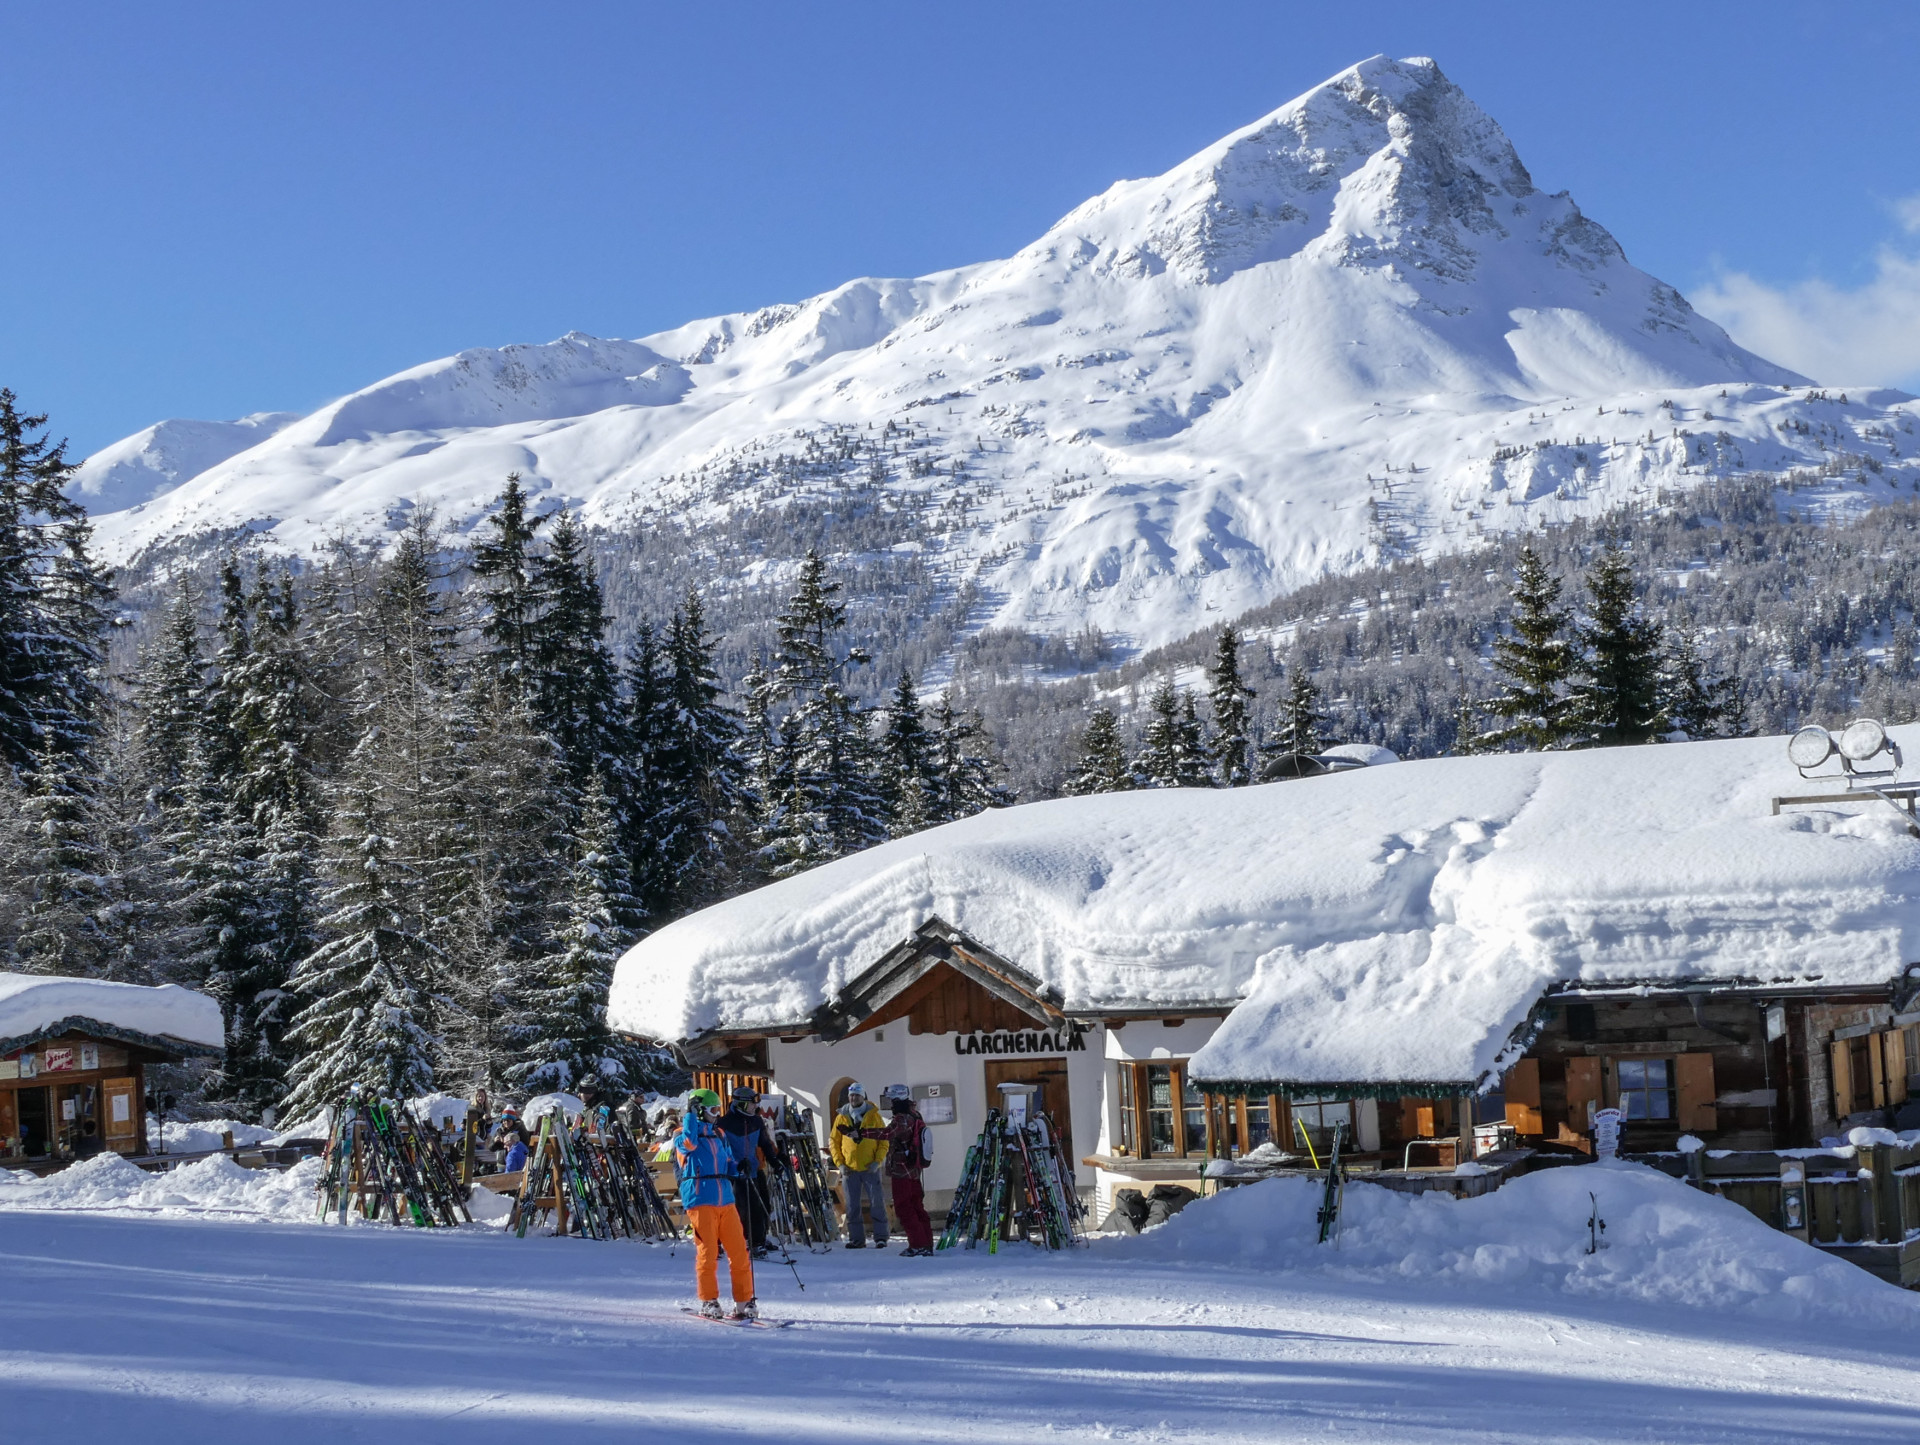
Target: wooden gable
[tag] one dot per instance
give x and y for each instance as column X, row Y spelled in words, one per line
column 945, row 1001
column 941, row 981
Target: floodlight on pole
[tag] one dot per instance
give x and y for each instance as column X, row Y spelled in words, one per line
column 1810, row 747
column 1863, row 740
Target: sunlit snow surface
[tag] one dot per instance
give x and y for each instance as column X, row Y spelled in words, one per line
column 31, row 1002
column 1352, row 330
column 1385, row 924
column 1432, row 1320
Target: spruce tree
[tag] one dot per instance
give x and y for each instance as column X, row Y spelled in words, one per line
column 1615, row 697
column 1297, row 730
column 64, row 929
column 575, row 680
column 1535, row 663
column 565, row 1041
column 504, row 561
column 1697, row 702
column 1173, row 752
column 964, row 772
column 53, row 599
column 906, row 761
column 1103, row 765
column 169, row 690
column 826, row 802
column 1229, row 696
column 703, row 781
column 366, row 996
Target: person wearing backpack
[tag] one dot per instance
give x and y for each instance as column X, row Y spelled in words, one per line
column 909, row 1152
column 706, row 1167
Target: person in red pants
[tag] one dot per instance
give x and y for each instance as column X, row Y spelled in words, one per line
column 909, row 1152
column 705, row 1164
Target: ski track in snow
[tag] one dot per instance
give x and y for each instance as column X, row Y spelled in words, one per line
column 167, row 1330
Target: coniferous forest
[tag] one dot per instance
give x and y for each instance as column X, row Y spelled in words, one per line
column 401, row 808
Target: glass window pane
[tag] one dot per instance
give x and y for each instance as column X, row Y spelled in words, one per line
column 1160, row 1131
column 1633, row 1074
column 1189, row 1094
column 1634, row 1104
column 1656, row 1073
column 1196, row 1124
column 1659, row 1104
column 1259, row 1123
column 1128, row 1143
column 1159, row 1087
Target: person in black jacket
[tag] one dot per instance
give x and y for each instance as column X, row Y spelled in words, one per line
column 756, row 1152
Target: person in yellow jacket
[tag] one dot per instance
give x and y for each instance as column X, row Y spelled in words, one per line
column 858, row 1145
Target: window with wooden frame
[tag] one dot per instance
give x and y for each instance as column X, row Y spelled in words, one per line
column 1162, row 1114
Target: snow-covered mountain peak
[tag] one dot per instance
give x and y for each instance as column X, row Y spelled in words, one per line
column 1352, row 329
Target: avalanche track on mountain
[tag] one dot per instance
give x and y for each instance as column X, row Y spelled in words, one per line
column 1351, row 331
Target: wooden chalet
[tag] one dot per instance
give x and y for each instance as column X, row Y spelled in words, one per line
column 73, row 1060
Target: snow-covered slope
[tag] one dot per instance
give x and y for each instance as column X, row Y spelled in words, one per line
column 149, row 463
column 1353, row 329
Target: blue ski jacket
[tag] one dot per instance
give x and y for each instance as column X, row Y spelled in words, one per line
column 704, row 1163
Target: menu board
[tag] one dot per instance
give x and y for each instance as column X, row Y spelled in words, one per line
column 936, row 1103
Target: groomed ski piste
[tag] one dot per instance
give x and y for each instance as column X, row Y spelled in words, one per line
column 206, row 1305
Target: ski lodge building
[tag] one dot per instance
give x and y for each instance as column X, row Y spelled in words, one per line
column 73, row 1059
column 1412, row 949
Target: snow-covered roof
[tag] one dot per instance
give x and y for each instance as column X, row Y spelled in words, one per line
column 35, row 1007
column 1383, row 924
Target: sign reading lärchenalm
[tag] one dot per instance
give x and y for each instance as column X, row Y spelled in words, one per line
column 1067, row 1040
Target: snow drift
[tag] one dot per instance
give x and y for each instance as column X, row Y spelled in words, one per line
column 1386, row 924
column 214, row 1185
column 1666, row 1244
column 1352, row 329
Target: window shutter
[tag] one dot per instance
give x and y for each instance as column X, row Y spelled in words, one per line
column 1694, row 1081
column 1583, row 1090
column 1896, row 1047
column 1876, row 1073
column 1522, row 1090
column 1842, row 1058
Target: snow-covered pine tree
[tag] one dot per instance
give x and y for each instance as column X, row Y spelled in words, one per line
column 226, row 936
column 830, row 805
column 52, row 599
column 1615, row 696
column 1229, row 695
column 504, row 563
column 705, row 774
column 575, row 694
column 169, row 692
column 565, row 1041
column 501, row 883
column 1173, row 746
column 1697, row 702
column 273, row 709
column 965, row 771
column 366, row 995
column 1535, row 663
column 1297, row 729
column 1103, row 766
column 906, row 761
column 64, row 929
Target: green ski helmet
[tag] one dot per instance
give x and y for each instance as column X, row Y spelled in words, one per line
column 704, row 1100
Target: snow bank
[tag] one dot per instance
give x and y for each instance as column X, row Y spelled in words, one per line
column 540, row 1105
column 1384, row 924
column 31, row 1003
column 215, row 1185
column 193, row 1136
column 1666, row 1244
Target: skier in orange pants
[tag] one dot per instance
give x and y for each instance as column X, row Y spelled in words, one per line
column 704, row 1164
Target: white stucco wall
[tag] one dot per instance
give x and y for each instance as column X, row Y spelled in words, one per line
column 892, row 1054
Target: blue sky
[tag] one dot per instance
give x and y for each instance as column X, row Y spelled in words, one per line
column 221, row 208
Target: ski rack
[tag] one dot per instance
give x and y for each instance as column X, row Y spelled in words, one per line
column 1015, row 1184
column 592, row 1179
column 382, row 1163
column 799, row 1194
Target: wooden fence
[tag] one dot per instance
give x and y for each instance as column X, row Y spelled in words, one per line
column 1862, row 1205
